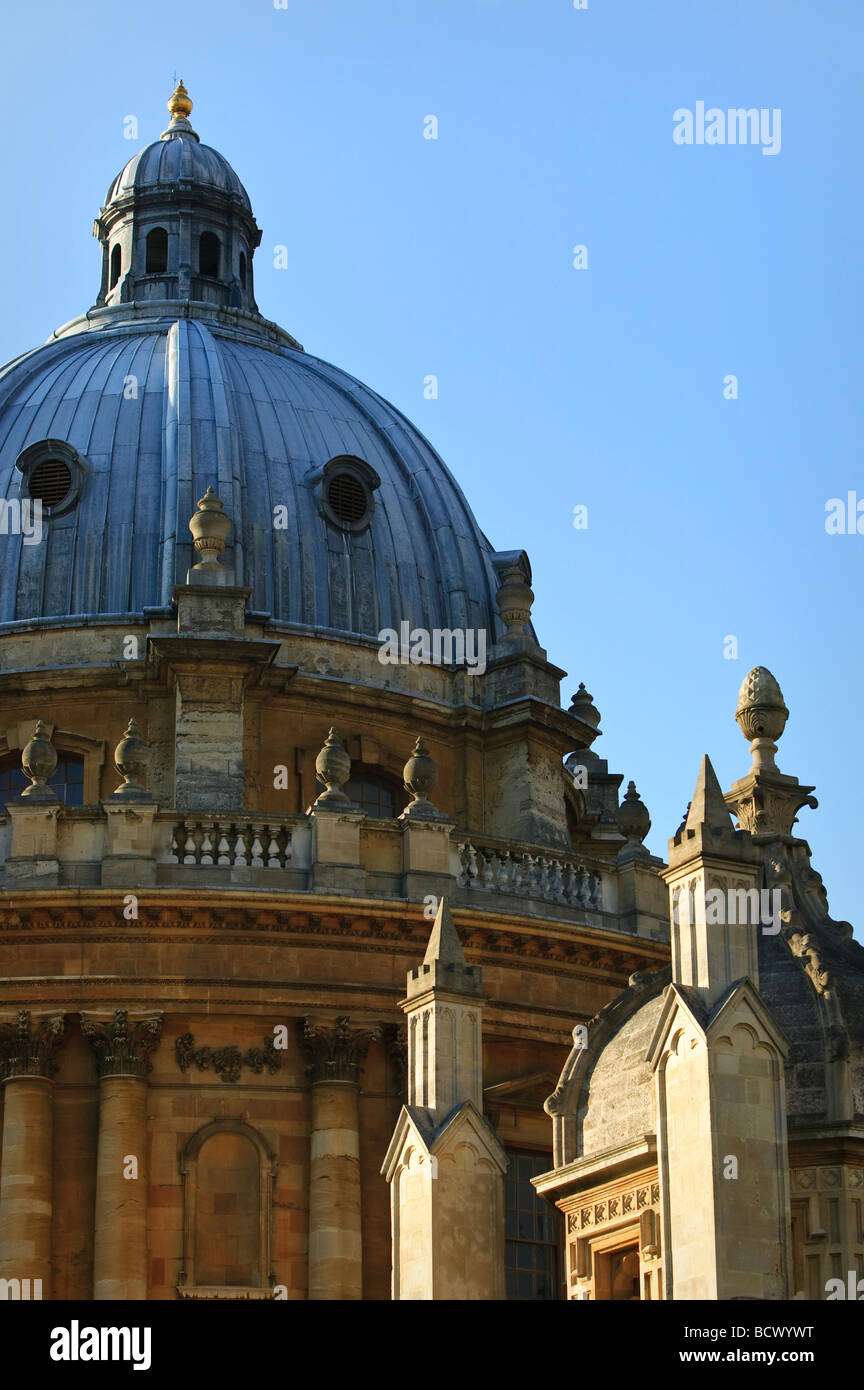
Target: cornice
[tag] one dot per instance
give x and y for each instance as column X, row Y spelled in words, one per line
column 585, row 952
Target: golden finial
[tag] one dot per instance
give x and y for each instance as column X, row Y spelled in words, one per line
column 180, row 105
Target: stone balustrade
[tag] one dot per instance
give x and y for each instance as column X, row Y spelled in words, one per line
column 132, row 844
column 550, row 876
column 229, row 842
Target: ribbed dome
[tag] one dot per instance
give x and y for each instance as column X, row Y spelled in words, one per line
column 344, row 517
column 166, row 162
column 158, row 411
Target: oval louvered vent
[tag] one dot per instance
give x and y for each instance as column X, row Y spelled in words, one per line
column 347, row 497
column 50, row 481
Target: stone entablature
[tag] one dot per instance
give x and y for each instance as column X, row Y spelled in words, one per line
column 47, row 919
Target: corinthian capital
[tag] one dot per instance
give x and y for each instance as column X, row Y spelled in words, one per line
column 28, row 1044
column 122, row 1041
column 335, row 1052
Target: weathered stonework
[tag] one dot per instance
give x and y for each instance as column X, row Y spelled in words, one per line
column 266, row 856
column 741, row 1074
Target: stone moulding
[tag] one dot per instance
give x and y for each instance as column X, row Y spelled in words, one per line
column 208, row 1292
column 571, row 950
column 614, row 1208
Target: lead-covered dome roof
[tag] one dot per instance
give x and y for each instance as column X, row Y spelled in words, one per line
column 167, row 162
column 157, row 414
column 344, row 516
column 177, row 156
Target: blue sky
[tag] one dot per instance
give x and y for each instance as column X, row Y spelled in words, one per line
column 557, row 386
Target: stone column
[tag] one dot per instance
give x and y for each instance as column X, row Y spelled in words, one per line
column 122, row 1044
column 27, row 1047
column 335, row 1053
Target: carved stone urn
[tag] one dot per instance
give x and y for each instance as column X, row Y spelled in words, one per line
column 420, row 774
column 633, row 817
column 131, row 759
column 209, row 527
column 584, row 709
column 515, row 598
column 332, row 769
column 39, row 760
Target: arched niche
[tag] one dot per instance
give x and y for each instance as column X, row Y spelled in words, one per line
column 228, row 1173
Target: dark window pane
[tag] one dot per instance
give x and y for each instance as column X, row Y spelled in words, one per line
column 67, row 782
column 373, row 795
column 532, row 1257
column 156, row 252
column 208, row 254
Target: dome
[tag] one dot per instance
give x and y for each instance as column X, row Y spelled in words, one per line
column 154, row 414
column 344, row 517
column 168, row 161
column 177, row 156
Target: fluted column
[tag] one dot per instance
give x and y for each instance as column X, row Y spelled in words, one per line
column 335, row 1053
column 27, row 1047
column 123, row 1044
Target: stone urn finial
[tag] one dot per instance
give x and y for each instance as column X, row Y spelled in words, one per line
column 131, row 759
column 332, row 769
column 420, row 774
column 515, row 597
column 633, row 817
column 39, row 759
column 209, row 527
column 761, row 715
column 583, row 708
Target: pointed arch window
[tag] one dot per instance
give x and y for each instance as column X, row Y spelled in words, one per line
column 116, row 264
column 157, row 251
column 209, row 254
